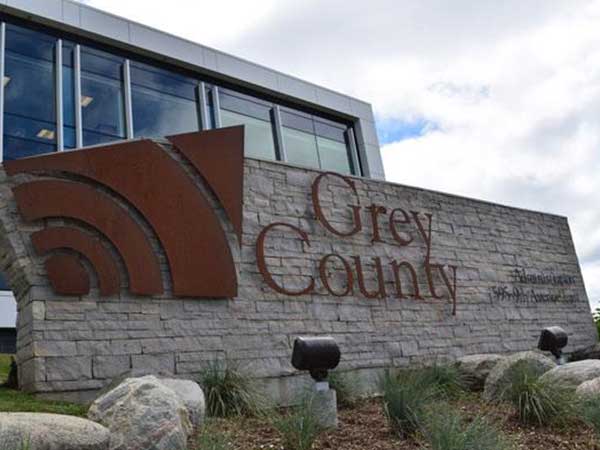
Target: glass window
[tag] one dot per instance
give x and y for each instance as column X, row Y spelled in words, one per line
column 299, row 140
column 163, row 103
column 68, row 82
column 334, row 155
column 3, row 284
column 29, row 86
column 258, row 137
column 333, row 149
column 300, row 147
column 102, row 101
column 313, row 142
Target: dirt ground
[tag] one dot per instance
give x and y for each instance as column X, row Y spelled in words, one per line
column 365, row 428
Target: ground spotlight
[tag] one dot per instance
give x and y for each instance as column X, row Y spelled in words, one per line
column 318, row 355
column 553, row 340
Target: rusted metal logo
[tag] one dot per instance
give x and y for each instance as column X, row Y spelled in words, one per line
column 100, row 187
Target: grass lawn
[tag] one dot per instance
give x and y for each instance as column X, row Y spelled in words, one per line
column 4, row 367
column 15, row 401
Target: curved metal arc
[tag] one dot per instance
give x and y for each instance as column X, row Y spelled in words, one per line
column 67, row 275
column 53, row 198
column 54, row 238
column 218, row 157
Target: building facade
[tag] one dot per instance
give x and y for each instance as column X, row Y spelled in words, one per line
column 74, row 76
column 180, row 207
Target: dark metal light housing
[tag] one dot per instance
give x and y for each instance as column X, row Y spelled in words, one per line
column 317, row 355
column 553, row 339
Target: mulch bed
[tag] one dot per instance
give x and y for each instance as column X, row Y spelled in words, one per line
column 365, row 428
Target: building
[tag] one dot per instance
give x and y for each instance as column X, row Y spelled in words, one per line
column 163, row 255
column 133, row 81
column 8, row 316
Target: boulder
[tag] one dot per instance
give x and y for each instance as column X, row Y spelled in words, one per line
column 143, row 414
column 590, row 388
column 51, row 432
column 590, row 352
column 499, row 376
column 476, row 368
column 190, row 393
column 575, row 373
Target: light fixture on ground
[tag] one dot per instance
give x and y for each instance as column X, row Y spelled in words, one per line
column 553, row 340
column 319, row 355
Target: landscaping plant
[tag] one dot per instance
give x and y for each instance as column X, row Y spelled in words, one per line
column 591, row 414
column 229, row 392
column 347, row 388
column 446, row 429
column 5, row 362
column 538, row 402
column 446, row 379
column 24, row 446
column 299, row 428
column 596, row 315
column 212, row 439
column 405, row 400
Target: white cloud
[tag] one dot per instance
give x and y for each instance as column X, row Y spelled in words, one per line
column 513, row 87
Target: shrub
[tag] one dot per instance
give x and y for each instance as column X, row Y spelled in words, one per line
column 538, row 402
column 596, row 316
column 299, row 428
column 12, row 382
column 25, row 445
column 447, row 430
column 211, row 439
column 230, row 392
column 347, row 388
column 445, row 379
column 405, row 400
column 591, row 414
column 5, row 363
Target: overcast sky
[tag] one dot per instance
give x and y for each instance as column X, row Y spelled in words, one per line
column 498, row 100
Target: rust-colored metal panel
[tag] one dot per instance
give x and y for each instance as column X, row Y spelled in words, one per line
column 67, row 275
column 147, row 177
column 89, row 246
column 54, row 198
column 218, row 156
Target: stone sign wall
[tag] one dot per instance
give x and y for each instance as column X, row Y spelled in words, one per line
column 397, row 275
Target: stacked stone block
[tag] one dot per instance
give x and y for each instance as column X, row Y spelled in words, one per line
column 70, row 347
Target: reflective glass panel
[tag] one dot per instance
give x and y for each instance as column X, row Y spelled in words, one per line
column 102, row 102
column 331, row 131
column 334, row 155
column 240, row 104
column 258, row 137
column 29, row 89
column 300, row 147
column 3, row 283
column 163, row 103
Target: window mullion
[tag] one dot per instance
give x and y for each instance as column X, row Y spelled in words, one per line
column 60, row 138
column 351, row 142
column 276, row 123
column 216, row 106
column 78, row 107
column 128, row 102
column 203, row 106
